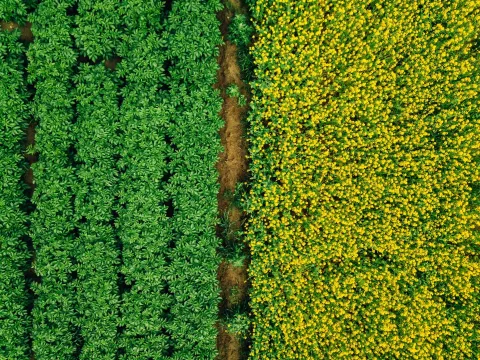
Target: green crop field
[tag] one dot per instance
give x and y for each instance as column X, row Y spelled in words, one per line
column 239, row 179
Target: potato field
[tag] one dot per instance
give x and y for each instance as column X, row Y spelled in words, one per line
column 239, row 179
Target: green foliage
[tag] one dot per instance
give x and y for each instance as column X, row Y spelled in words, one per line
column 240, row 30
column 143, row 226
column 15, row 10
column 234, row 91
column 234, row 296
column 97, row 252
column 237, row 255
column 151, row 160
column 13, row 253
column 97, row 34
column 50, row 66
column 193, row 36
column 96, row 141
column 239, row 325
column 241, row 194
column 233, row 250
column 245, row 62
column 228, row 229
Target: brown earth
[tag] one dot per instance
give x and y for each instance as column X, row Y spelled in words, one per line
column 229, row 347
column 237, row 6
column 112, row 63
column 232, row 167
column 232, row 277
column 25, row 30
column 31, row 158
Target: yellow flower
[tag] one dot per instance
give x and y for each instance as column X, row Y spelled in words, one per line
column 364, row 147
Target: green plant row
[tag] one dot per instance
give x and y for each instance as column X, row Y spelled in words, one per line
column 96, row 141
column 143, row 226
column 192, row 39
column 97, row 252
column 13, row 252
column 51, row 59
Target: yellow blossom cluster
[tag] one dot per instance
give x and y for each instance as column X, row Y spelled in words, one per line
column 364, row 145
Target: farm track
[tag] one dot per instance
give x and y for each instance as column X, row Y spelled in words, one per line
column 232, row 167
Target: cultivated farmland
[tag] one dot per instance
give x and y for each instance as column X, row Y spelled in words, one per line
column 122, row 228
column 364, row 139
column 230, row 180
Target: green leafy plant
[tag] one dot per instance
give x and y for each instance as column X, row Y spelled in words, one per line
column 236, row 255
column 13, row 10
column 233, row 249
column 192, row 38
column 247, row 66
column 97, row 35
column 239, row 325
column 98, row 32
column 234, row 91
column 97, row 252
column 240, row 30
column 143, row 227
column 126, row 182
column 228, row 229
column 51, row 59
column 235, row 296
column 240, row 195
column 13, row 252
column 30, row 150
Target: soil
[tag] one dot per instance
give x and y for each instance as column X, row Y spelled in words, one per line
column 229, row 347
column 25, row 30
column 112, row 63
column 232, row 278
column 232, row 167
column 30, row 140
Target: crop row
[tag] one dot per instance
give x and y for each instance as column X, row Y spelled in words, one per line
column 364, row 157
column 97, row 253
column 192, row 109
column 96, row 138
column 167, row 211
column 143, row 225
column 13, row 252
column 51, row 60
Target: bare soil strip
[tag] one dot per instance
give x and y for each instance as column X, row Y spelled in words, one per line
column 232, row 167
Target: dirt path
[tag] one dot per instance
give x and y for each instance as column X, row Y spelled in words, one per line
column 232, row 167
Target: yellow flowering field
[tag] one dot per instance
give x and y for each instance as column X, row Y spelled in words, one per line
column 364, row 145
